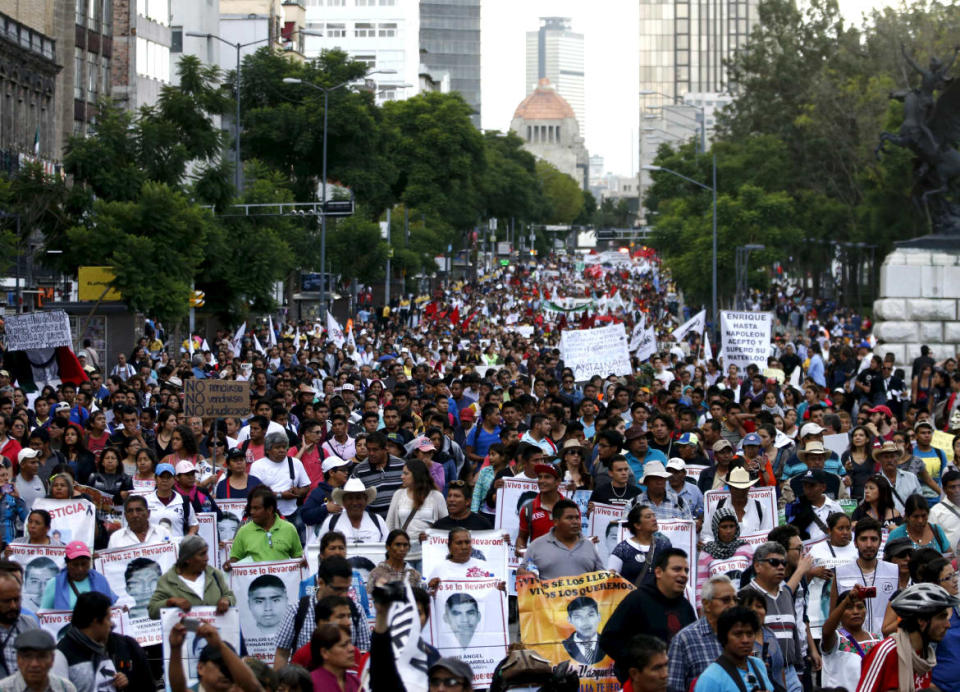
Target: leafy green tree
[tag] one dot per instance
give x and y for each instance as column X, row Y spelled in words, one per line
column 563, row 196
column 510, row 186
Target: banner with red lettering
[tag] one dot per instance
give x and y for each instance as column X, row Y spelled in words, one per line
column 263, row 591
column 133, row 574
column 40, row 564
column 70, row 520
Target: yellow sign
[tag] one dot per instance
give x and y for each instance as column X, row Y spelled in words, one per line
column 943, row 440
column 92, row 280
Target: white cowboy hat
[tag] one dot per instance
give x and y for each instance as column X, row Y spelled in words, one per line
column 353, row 485
column 740, row 478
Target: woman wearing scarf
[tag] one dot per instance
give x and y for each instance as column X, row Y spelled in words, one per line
column 727, row 554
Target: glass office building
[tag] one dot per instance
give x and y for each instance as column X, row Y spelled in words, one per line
column 450, row 42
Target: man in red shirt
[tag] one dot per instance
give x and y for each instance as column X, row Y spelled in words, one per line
column 904, row 661
column 535, row 515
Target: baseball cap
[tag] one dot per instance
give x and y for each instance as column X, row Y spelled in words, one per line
column 897, row 546
column 921, row 423
column 467, row 414
column 35, row 640
column 814, row 476
column 677, row 464
column 751, row 439
column 331, row 463
column 185, row 466
column 77, row 549
column 62, row 406
column 885, row 410
column 455, row 666
column 722, row 444
column 546, row 468
column 688, row 439
column 165, row 468
column 27, row 453
column 425, row 445
column 810, row 429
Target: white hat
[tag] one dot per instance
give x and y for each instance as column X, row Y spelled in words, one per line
column 354, row 485
column 174, row 381
column 654, row 469
column 27, row 453
column 677, row 464
column 740, row 478
column 185, row 466
column 331, row 463
column 347, row 387
column 810, row 429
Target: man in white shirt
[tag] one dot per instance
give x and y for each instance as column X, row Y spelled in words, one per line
column 341, row 445
column 139, row 530
column 946, row 513
column 168, row 508
column 285, row 476
column 28, row 483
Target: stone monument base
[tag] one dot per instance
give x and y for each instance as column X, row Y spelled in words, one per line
column 919, row 292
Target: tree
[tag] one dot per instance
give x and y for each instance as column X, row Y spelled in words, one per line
column 564, row 198
column 510, row 186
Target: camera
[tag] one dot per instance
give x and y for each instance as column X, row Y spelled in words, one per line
column 390, row 592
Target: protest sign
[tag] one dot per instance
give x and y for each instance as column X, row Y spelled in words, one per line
column 696, row 324
column 745, row 338
column 70, row 520
column 560, row 636
column 146, row 486
column 227, row 625
column 604, row 524
column 207, row 530
column 263, row 591
column 470, row 623
column 40, row 564
column 599, row 351
column 943, row 441
column 216, row 398
column 133, row 574
column 37, row 330
column 582, row 499
column 682, row 533
column 510, row 498
column 56, row 622
column 231, row 519
column 489, row 557
column 765, row 495
column 837, row 443
column 694, row 471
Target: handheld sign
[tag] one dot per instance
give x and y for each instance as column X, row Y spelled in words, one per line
column 216, row 398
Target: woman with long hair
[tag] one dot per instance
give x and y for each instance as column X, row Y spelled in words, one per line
column 634, row 557
column 183, row 447
column 919, row 530
column 394, row 567
column 921, row 388
column 574, row 470
column 166, row 422
column 75, row 451
column 20, row 431
column 858, row 461
column 130, row 447
column 112, row 482
column 145, row 478
column 790, row 428
column 837, row 549
column 417, row 504
column 878, row 503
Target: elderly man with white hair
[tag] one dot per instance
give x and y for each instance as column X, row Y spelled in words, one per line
column 284, row 475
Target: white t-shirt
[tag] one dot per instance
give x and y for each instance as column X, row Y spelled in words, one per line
column 172, row 513
column 886, row 579
column 471, row 569
column 125, row 538
column 841, row 665
column 369, row 531
column 828, row 508
column 197, row 586
column 276, row 475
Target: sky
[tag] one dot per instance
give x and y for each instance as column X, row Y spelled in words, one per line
column 610, row 45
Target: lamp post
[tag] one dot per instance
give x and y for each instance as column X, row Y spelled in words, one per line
column 713, row 190
column 323, row 194
column 238, row 46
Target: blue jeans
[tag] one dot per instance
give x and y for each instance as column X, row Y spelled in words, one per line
column 792, row 680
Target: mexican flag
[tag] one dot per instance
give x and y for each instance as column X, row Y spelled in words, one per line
column 34, row 369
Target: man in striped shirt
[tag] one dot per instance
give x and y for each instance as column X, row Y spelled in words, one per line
column 381, row 471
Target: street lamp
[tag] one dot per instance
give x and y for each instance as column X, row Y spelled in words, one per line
column 323, row 195
column 713, row 191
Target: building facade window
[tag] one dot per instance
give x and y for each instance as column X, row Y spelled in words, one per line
column 153, row 60
column 176, row 39
column 388, row 30
column 368, row 60
column 364, row 30
column 336, row 30
column 155, row 10
column 78, row 62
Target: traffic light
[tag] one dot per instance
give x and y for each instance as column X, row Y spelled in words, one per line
column 197, row 299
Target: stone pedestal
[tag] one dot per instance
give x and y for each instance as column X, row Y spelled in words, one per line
column 918, row 304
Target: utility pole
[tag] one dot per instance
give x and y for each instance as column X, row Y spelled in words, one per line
column 386, row 288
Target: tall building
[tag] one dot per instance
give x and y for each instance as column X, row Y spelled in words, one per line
column 192, row 17
column 450, row 42
column 260, row 23
column 555, row 52
column 140, row 66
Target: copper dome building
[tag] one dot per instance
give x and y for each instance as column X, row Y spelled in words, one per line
column 549, row 129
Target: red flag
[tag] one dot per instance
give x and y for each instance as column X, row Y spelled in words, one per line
column 467, row 320
column 455, row 316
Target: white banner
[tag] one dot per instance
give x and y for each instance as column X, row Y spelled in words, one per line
column 133, row 574
column 37, row 330
column 335, row 331
column 56, row 622
column 599, row 351
column 70, row 520
column 227, row 625
column 490, row 553
column 208, row 532
column 469, row 622
column 510, row 497
column 745, row 338
column 231, row 519
column 263, row 591
column 40, row 564
column 765, row 495
column 697, row 324
column 646, row 347
column 637, row 334
column 604, row 524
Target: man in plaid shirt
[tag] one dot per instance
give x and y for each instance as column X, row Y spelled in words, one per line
column 334, row 578
column 696, row 646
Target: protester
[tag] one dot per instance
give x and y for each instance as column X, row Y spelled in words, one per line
column 535, row 515
column 168, row 506
column 634, row 557
column 219, row 669
column 75, row 578
column 562, row 551
column 736, row 631
column 416, row 504
column 266, row 536
column 237, row 483
column 35, row 657
column 285, row 476
column 13, row 623
column 696, row 646
column 191, row 582
column 356, row 521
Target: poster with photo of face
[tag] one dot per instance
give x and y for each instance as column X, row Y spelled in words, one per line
column 510, row 498
column 230, row 521
column 468, row 620
column 264, row 590
column 207, row 530
column 227, row 625
column 605, row 525
column 682, row 534
column 489, row 552
column 40, row 564
column 133, row 574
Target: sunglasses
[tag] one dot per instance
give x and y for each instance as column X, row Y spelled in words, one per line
column 775, row 562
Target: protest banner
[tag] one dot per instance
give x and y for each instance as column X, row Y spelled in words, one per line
column 765, row 495
column 263, row 591
column 600, row 351
column 682, row 533
column 694, row 471
column 70, row 520
column 40, row 564
column 470, row 623
column 36, row 330
column 943, row 441
column 56, row 622
column 231, row 519
column 645, row 344
column 558, row 635
column 133, row 574
column 696, row 324
column 227, row 625
column 510, row 497
column 837, row 443
column 207, row 530
column 489, row 557
column 604, row 525
column 745, row 338
column 211, row 398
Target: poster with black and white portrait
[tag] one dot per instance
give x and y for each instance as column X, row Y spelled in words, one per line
column 605, row 526
column 227, row 624
column 229, row 522
column 468, row 620
column 488, row 557
column 264, row 590
column 40, row 564
column 133, row 574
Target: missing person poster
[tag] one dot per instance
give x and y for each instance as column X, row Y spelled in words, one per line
column 57, row 622
column 734, row 566
column 207, row 530
column 227, row 624
column 682, row 534
column 605, row 526
column 514, row 493
column 70, row 520
column 564, row 618
column 766, row 496
column 469, row 622
column 488, row 558
column 231, row 518
column 133, row 574
column 263, row 591
column 40, row 564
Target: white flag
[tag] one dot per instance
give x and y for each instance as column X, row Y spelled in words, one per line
column 335, row 331
column 697, row 323
column 351, row 341
column 707, row 352
column 256, row 344
column 238, row 339
column 648, row 344
column 271, row 336
column 636, row 336
column 205, row 347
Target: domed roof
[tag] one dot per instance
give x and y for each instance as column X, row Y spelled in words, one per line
column 544, row 103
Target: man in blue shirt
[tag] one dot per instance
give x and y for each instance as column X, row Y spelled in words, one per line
column 639, row 452
column 737, row 630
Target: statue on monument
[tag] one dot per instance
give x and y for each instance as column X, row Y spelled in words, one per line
column 931, row 130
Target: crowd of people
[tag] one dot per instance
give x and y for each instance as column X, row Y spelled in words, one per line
column 828, row 561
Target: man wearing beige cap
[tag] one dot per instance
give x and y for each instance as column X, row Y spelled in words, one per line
column 664, row 502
